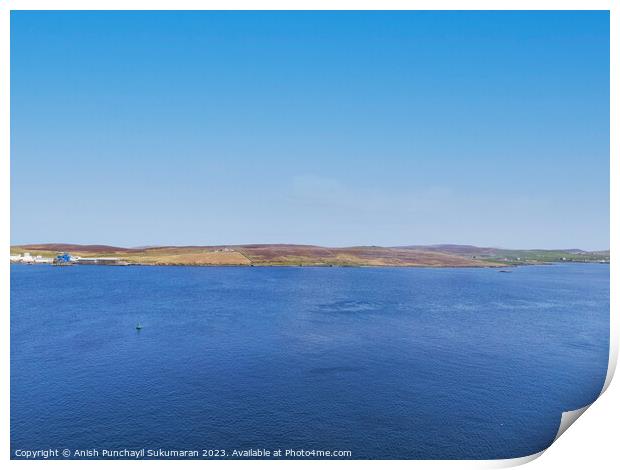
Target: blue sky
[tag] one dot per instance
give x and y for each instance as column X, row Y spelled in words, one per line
column 329, row 128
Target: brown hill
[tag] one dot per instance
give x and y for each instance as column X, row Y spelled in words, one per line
column 71, row 247
column 264, row 255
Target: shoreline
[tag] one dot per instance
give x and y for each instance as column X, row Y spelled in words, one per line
column 257, row 255
column 343, row 266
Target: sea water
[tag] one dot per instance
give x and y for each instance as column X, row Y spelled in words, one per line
column 378, row 362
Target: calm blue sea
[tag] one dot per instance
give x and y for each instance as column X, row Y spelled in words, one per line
column 386, row 363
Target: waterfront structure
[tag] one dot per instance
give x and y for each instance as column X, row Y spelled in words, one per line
column 27, row 258
column 63, row 259
column 102, row 260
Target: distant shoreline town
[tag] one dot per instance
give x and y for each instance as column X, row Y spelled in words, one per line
column 60, row 254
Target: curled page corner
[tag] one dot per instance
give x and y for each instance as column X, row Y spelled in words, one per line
column 517, row 461
column 611, row 367
column 566, row 421
column 568, row 418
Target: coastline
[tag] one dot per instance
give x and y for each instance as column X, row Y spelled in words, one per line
column 288, row 255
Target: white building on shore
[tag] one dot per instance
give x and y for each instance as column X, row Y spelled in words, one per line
column 27, row 258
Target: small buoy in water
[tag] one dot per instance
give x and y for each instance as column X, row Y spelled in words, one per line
column 138, row 326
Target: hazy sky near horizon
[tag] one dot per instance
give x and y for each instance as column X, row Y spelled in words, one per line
column 328, row 128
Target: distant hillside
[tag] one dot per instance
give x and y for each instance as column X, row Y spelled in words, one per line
column 489, row 252
column 310, row 255
column 70, row 247
column 462, row 250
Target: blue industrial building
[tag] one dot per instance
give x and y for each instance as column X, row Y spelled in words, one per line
column 63, row 259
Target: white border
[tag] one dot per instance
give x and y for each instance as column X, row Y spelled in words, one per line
column 596, row 431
